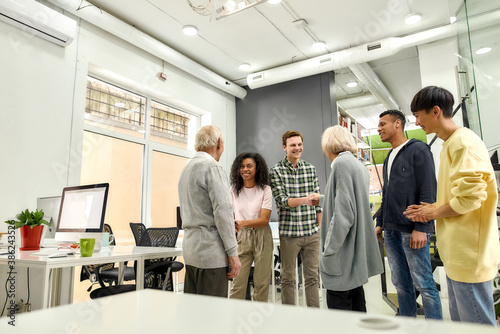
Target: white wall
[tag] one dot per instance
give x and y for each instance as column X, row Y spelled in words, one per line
column 437, row 68
column 42, row 95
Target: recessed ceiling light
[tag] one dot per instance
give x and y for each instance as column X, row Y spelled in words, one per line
column 319, row 45
column 273, row 2
column 120, row 105
column 245, row 67
column 453, row 19
column 190, row 30
column 412, row 18
column 482, row 51
column 351, row 84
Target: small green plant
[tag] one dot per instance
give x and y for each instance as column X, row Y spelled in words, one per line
column 27, row 218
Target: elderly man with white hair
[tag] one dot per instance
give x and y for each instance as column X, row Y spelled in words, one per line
column 210, row 249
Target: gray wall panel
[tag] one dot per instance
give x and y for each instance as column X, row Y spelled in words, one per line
column 306, row 105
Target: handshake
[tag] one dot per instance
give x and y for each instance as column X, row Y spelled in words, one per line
column 312, row 199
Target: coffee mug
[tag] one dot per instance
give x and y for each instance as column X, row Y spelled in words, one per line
column 87, row 247
column 107, row 239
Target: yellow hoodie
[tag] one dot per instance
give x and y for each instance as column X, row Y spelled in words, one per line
column 468, row 243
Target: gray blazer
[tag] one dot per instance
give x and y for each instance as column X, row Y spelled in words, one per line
column 349, row 252
column 207, row 214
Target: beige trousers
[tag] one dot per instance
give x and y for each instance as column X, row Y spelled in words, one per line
column 255, row 245
column 308, row 247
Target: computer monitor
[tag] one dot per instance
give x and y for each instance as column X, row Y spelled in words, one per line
column 82, row 211
column 50, row 207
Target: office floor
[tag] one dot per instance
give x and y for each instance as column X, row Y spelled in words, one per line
column 375, row 304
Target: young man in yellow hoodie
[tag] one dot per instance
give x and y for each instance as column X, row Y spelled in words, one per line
column 465, row 209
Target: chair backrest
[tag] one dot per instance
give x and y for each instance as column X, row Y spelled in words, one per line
column 138, row 230
column 161, row 237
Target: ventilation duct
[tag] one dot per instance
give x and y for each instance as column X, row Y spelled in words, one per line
column 358, row 102
column 122, row 30
column 362, row 53
column 370, row 80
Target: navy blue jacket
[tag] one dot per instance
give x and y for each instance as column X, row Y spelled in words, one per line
column 413, row 180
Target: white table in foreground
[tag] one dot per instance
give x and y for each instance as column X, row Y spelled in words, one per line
column 26, row 259
column 151, row 311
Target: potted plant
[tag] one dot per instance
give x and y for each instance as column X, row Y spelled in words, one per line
column 31, row 227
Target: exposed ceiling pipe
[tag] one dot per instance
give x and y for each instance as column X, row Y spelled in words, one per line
column 125, row 31
column 371, row 81
column 362, row 53
column 358, row 101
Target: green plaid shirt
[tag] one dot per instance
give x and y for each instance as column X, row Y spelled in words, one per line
column 288, row 182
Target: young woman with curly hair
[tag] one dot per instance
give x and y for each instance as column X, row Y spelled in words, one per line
column 252, row 205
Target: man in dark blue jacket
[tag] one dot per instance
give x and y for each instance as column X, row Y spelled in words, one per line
column 409, row 178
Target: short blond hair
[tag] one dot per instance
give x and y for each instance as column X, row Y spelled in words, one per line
column 207, row 138
column 337, row 139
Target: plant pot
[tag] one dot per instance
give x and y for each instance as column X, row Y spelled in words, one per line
column 31, row 237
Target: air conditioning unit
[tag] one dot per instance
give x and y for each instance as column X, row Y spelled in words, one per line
column 38, row 20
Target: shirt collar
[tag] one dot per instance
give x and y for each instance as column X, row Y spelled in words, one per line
column 204, row 154
column 341, row 153
column 290, row 165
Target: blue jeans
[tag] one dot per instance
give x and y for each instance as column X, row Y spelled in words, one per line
column 408, row 267
column 471, row 302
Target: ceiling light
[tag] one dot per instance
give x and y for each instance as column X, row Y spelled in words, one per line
column 482, row 51
column 230, row 5
column 245, row 67
column 453, row 19
column 242, row 4
column 319, row 45
column 120, row 105
column 351, row 84
column 273, row 2
column 190, row 30
column 412, row 18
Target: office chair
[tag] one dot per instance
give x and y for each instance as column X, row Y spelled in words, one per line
column 157, row 272
column 105, row 273
column 161, row 237
column 138, row 230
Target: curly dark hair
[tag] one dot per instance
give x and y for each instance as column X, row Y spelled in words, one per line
column 261, row 171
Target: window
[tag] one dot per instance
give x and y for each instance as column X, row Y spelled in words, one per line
column 140, row 146
column 112, row 107
column 170, row 126
column 119, row 162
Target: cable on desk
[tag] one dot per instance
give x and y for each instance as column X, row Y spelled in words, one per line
column 28, row 274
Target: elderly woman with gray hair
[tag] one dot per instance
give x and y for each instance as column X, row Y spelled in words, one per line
column 349, row 252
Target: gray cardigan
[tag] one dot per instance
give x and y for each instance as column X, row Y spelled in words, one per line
column 207, row 214
column 349, row 252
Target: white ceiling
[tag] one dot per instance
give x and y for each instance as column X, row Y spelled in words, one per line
column 265, row 36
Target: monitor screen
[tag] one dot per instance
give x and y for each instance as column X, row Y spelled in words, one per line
column 82, row 210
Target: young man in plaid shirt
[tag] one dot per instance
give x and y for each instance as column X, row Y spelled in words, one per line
column 296, row 190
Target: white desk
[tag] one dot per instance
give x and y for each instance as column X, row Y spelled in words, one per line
column 151, row 311
column 113, row 254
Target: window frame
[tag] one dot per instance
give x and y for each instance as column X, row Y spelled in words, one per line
column 149, row 146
